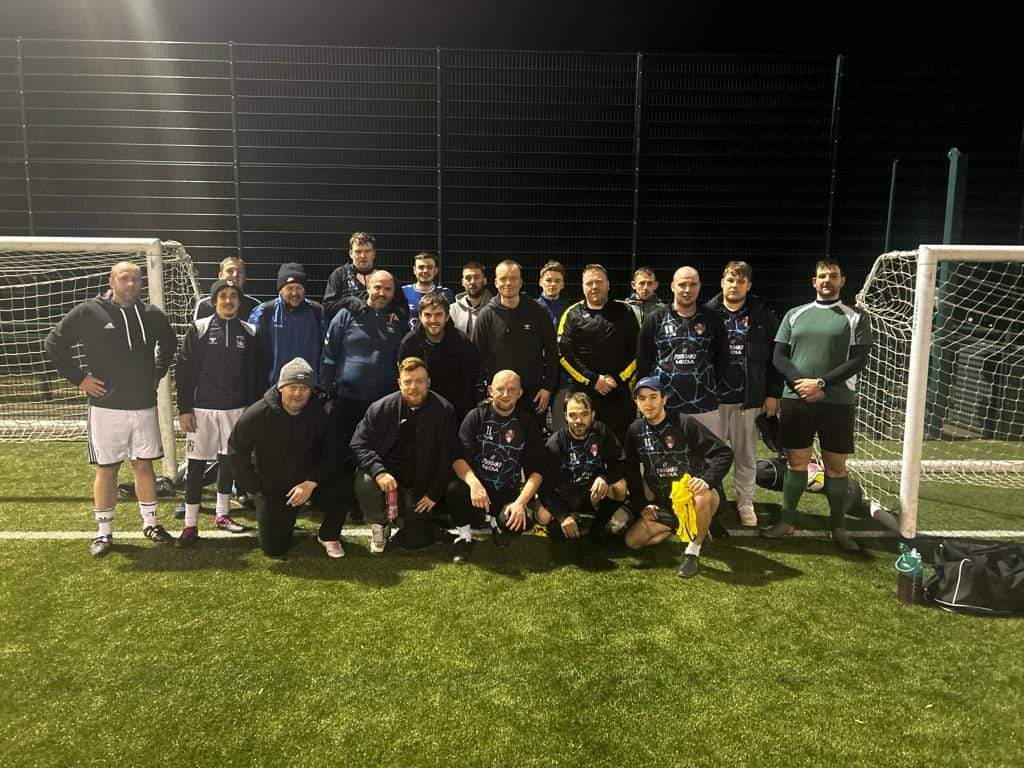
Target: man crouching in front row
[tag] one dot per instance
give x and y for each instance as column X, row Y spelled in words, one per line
column 666, row 448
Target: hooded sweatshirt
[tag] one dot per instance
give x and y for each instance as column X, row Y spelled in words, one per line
column 453, row 365
column 520, row 339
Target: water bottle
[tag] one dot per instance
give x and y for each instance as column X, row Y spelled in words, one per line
column 910, row 575
column 392, row 506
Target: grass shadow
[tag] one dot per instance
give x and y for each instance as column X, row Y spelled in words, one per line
column 206, row 554
column 746, row 566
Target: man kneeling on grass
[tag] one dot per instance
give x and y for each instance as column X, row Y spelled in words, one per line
column 403, row 447
column 498, row 443
column 590, row 485
column 666, row 448
column 283, row 448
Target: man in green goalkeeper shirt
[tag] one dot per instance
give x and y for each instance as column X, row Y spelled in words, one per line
column 820, row 348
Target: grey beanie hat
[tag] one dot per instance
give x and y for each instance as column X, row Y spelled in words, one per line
column 295, row 371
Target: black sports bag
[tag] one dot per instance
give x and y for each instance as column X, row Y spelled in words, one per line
column 984, row 579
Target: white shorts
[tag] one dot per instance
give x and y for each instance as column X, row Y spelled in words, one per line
column 116, row 435
column 212, row 431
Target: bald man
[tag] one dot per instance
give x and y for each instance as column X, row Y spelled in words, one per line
column 128, row 348
column 685, row 347
column 498, row 467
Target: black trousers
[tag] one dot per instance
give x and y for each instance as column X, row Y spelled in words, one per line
column 275, row 519
column 461, row 507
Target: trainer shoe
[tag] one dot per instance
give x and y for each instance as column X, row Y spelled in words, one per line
column 189, row 535
column 378, row 539
column 618, row 522
column 689, row 567
column 225, row 523
column 778, row 531
column 332, row 547
column 460, row 551
column 748, row 518
column 101, row 545
column 845, row 541
column 157, row 533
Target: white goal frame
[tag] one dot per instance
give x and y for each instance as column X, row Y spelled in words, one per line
column 929, row 257
column 153, row 248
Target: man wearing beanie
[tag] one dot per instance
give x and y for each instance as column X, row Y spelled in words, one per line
column 216, row 380
column 287, row 327
column 284, row 447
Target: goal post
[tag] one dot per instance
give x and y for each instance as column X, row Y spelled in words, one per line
column 942, row 396
column 41, row 279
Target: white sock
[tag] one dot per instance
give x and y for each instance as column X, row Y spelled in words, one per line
column 147, row 509
column 491, row 521
column 693, row 549
column 191, row 515
column 464, row 532
column 104, row 521
column 223, row 505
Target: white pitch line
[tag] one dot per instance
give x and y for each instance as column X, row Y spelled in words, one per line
column 364, row 532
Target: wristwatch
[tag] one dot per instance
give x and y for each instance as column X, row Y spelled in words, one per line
column 821, row 384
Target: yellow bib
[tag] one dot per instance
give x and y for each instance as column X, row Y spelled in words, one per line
column 685, row 509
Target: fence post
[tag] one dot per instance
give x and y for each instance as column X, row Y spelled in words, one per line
column 637, row 125
column 440, row 103
column 24, row 142
column 234, row 149
column 837, row 87
column 889, row 210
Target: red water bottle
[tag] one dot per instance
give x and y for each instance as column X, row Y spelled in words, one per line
column 392, row 497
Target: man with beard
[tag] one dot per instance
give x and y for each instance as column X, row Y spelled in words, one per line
column 128, row 347
column 498, row 445
column 590, row 480
column 469, row 303
column 287, row 327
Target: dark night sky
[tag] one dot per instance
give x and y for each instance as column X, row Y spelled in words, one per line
column 769, row 26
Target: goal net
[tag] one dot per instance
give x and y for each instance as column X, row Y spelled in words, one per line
column 942, row 396
column 41, row 279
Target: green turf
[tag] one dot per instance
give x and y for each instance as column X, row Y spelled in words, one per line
column 780, row 653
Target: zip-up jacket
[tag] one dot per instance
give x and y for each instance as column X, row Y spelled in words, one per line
column 642, row 308
column 283, row 333
column 757, row 337
column 216, row 366
column 381, row 428
column 271, row 451
column 344, row 284
column 464, row 314
column 361, row 352
column 596, row 342
column 521, row 340
column 453, row 365
column 127, row 348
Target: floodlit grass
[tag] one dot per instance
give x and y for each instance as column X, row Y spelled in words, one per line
column 787, row 653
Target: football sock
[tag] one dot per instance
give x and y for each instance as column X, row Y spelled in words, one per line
column 693, row 549
column 835, row 492
column 464, row 532
column 793, row 485
column 194, row 480
column 191, row 515
column 225, row 478
column 223, row 504
column 104, row 521
column 147, row 509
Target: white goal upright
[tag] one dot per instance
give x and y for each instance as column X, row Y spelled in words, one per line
column 41, row 279
column 942, row 396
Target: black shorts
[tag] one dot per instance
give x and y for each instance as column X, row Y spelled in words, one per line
column 799, row 421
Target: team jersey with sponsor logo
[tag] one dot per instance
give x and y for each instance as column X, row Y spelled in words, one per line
column 500, row 449
column 579, row 461
column 732, row 387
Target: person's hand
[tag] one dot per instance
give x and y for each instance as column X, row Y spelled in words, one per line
column 771, row 406
column 386, row 482
column 516, row 516
column 808, row 390
column 92, row 386
column 599, row 490
column 541, row 399
column 696, row 485
column 187, row 422
column 300, row 493
column 424, row 505
column 650, row 512
column 605, row 384
column 478, row 495
column 570, row 527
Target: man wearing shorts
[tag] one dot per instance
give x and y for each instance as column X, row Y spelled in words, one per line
column 128, row 347
column 662, row 447
column 216, row 380
column 819, row 349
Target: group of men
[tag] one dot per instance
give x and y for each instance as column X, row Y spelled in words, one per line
column 406, row 403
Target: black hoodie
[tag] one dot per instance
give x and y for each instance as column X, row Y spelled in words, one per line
column 129, row 349
column 453, row 365
column 520, row 340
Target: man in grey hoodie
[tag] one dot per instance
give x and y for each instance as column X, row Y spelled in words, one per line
column 469, row 303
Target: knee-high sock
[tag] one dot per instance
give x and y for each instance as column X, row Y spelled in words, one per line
column 104, row 521
column 835, row 492
column 793, row 485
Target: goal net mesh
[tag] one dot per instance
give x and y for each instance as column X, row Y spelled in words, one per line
column 37, row 289
column 974, row 412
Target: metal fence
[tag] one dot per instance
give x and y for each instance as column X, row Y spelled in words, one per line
column 280, row 151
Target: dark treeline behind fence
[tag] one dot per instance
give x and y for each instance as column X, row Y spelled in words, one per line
column 625, row 159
